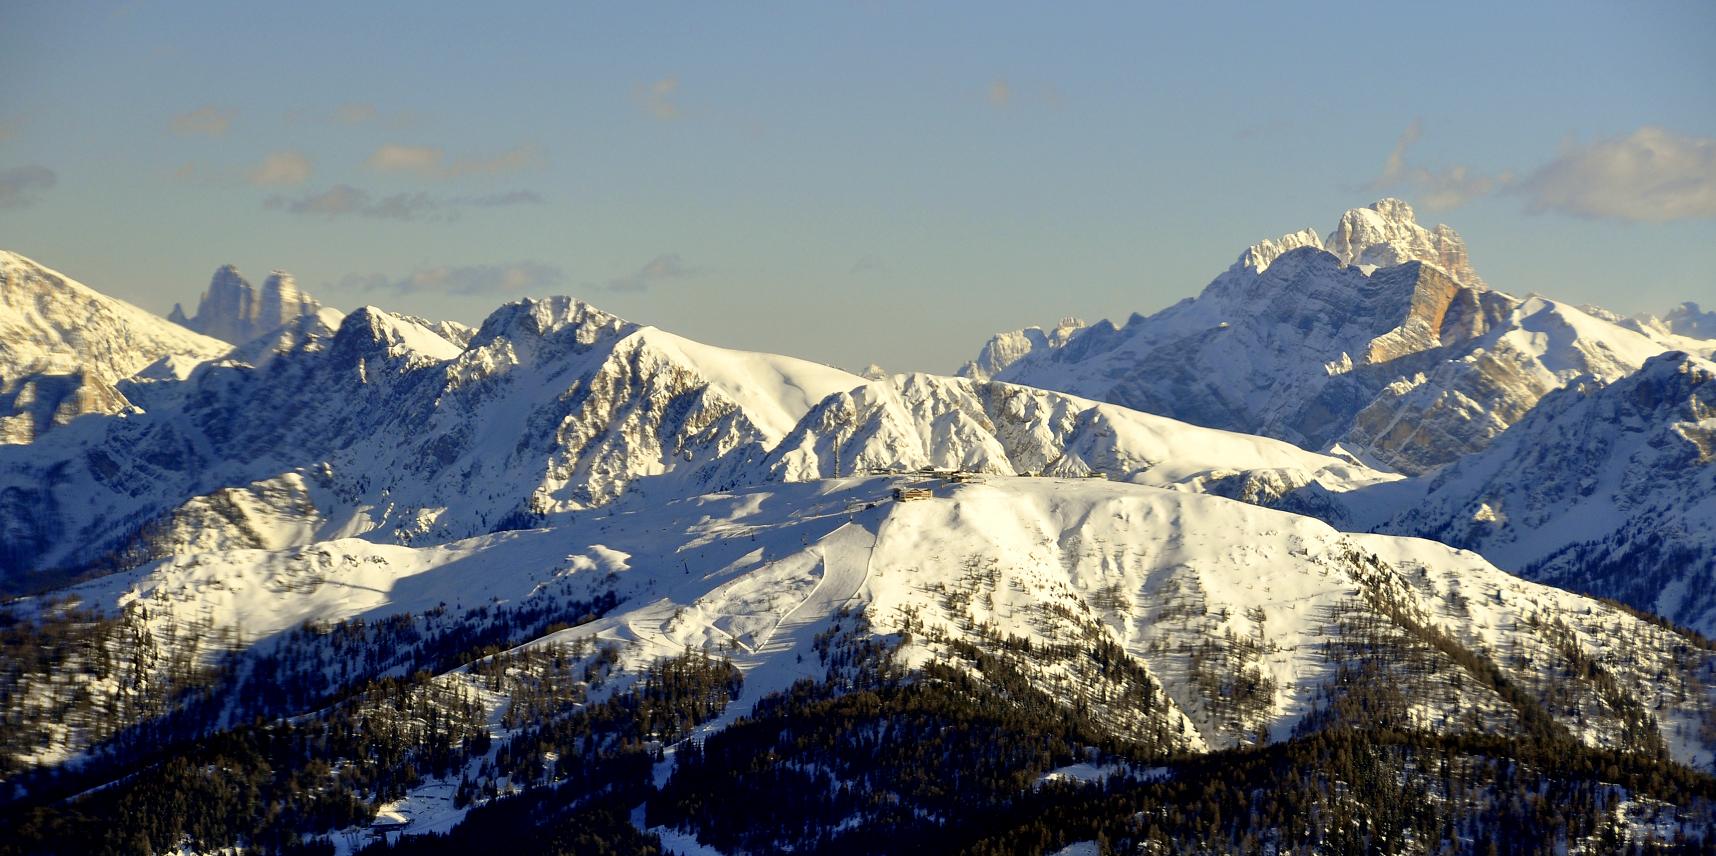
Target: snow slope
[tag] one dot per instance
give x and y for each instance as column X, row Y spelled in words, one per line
column 64, row 347
column 1197, row 591
column 909, row 422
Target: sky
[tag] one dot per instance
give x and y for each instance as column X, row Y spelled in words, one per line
column 849, row 183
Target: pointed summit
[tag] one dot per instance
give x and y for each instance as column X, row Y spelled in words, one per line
column 1383, row 234
column 232, row 309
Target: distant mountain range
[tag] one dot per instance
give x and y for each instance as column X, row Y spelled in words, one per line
column 568, row 581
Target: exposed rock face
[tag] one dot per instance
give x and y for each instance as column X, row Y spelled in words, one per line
column 1386, row 233
column 34, row 403
column 234, row 311
column 1410, row 366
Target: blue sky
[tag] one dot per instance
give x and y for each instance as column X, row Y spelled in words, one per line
column 845, row 182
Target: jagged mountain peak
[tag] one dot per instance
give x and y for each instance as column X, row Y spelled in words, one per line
column 235, row 311
column 1005, row 349
column 1382, row 234
column 1261, row 255
column 559, row 321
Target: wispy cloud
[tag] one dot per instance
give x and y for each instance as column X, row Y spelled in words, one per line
column 431, row 162
column 1000, row 94
column 1437, row 190
column 662, row 268
column 507, row 278
column 1651, row 175
column 9, row 129
column 281, row 169
column 343, row 200
column 659, row 98
column 20, row 185
column 500, row 200
column 393, row 157
column 209, row 120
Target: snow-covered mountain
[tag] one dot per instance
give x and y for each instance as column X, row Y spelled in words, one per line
column 553, row 407
column 383, row 426
column 233, row 310
column 567, row 575
column 64, row 347
column 1231, row 623
column 913, row 422
column 1605, row 488
column 1378, row 340
column 1005, row 349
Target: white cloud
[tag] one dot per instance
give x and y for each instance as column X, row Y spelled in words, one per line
column 20, row 185
column 281, row 168
column 1436, row 190
column 211, row 121
column 1651, row 175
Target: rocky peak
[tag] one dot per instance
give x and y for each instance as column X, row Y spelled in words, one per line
column 1688, row 319
column 1383, row 234
column 1005, row 349
column 234, row 310
column 555, row 324
column 1262, row 254
column 1386, row 233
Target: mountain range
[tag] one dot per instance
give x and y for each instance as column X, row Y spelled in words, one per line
column 1351, row 551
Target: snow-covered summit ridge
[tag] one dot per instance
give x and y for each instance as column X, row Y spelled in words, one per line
column 64, row 347
column 50, row 321
column 1383, row 234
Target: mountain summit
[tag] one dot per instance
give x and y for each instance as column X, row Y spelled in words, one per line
column 1382, row 234
column 1378, row 341
column 233, row 310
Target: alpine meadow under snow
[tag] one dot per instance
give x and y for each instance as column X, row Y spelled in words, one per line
column 1351, row 552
